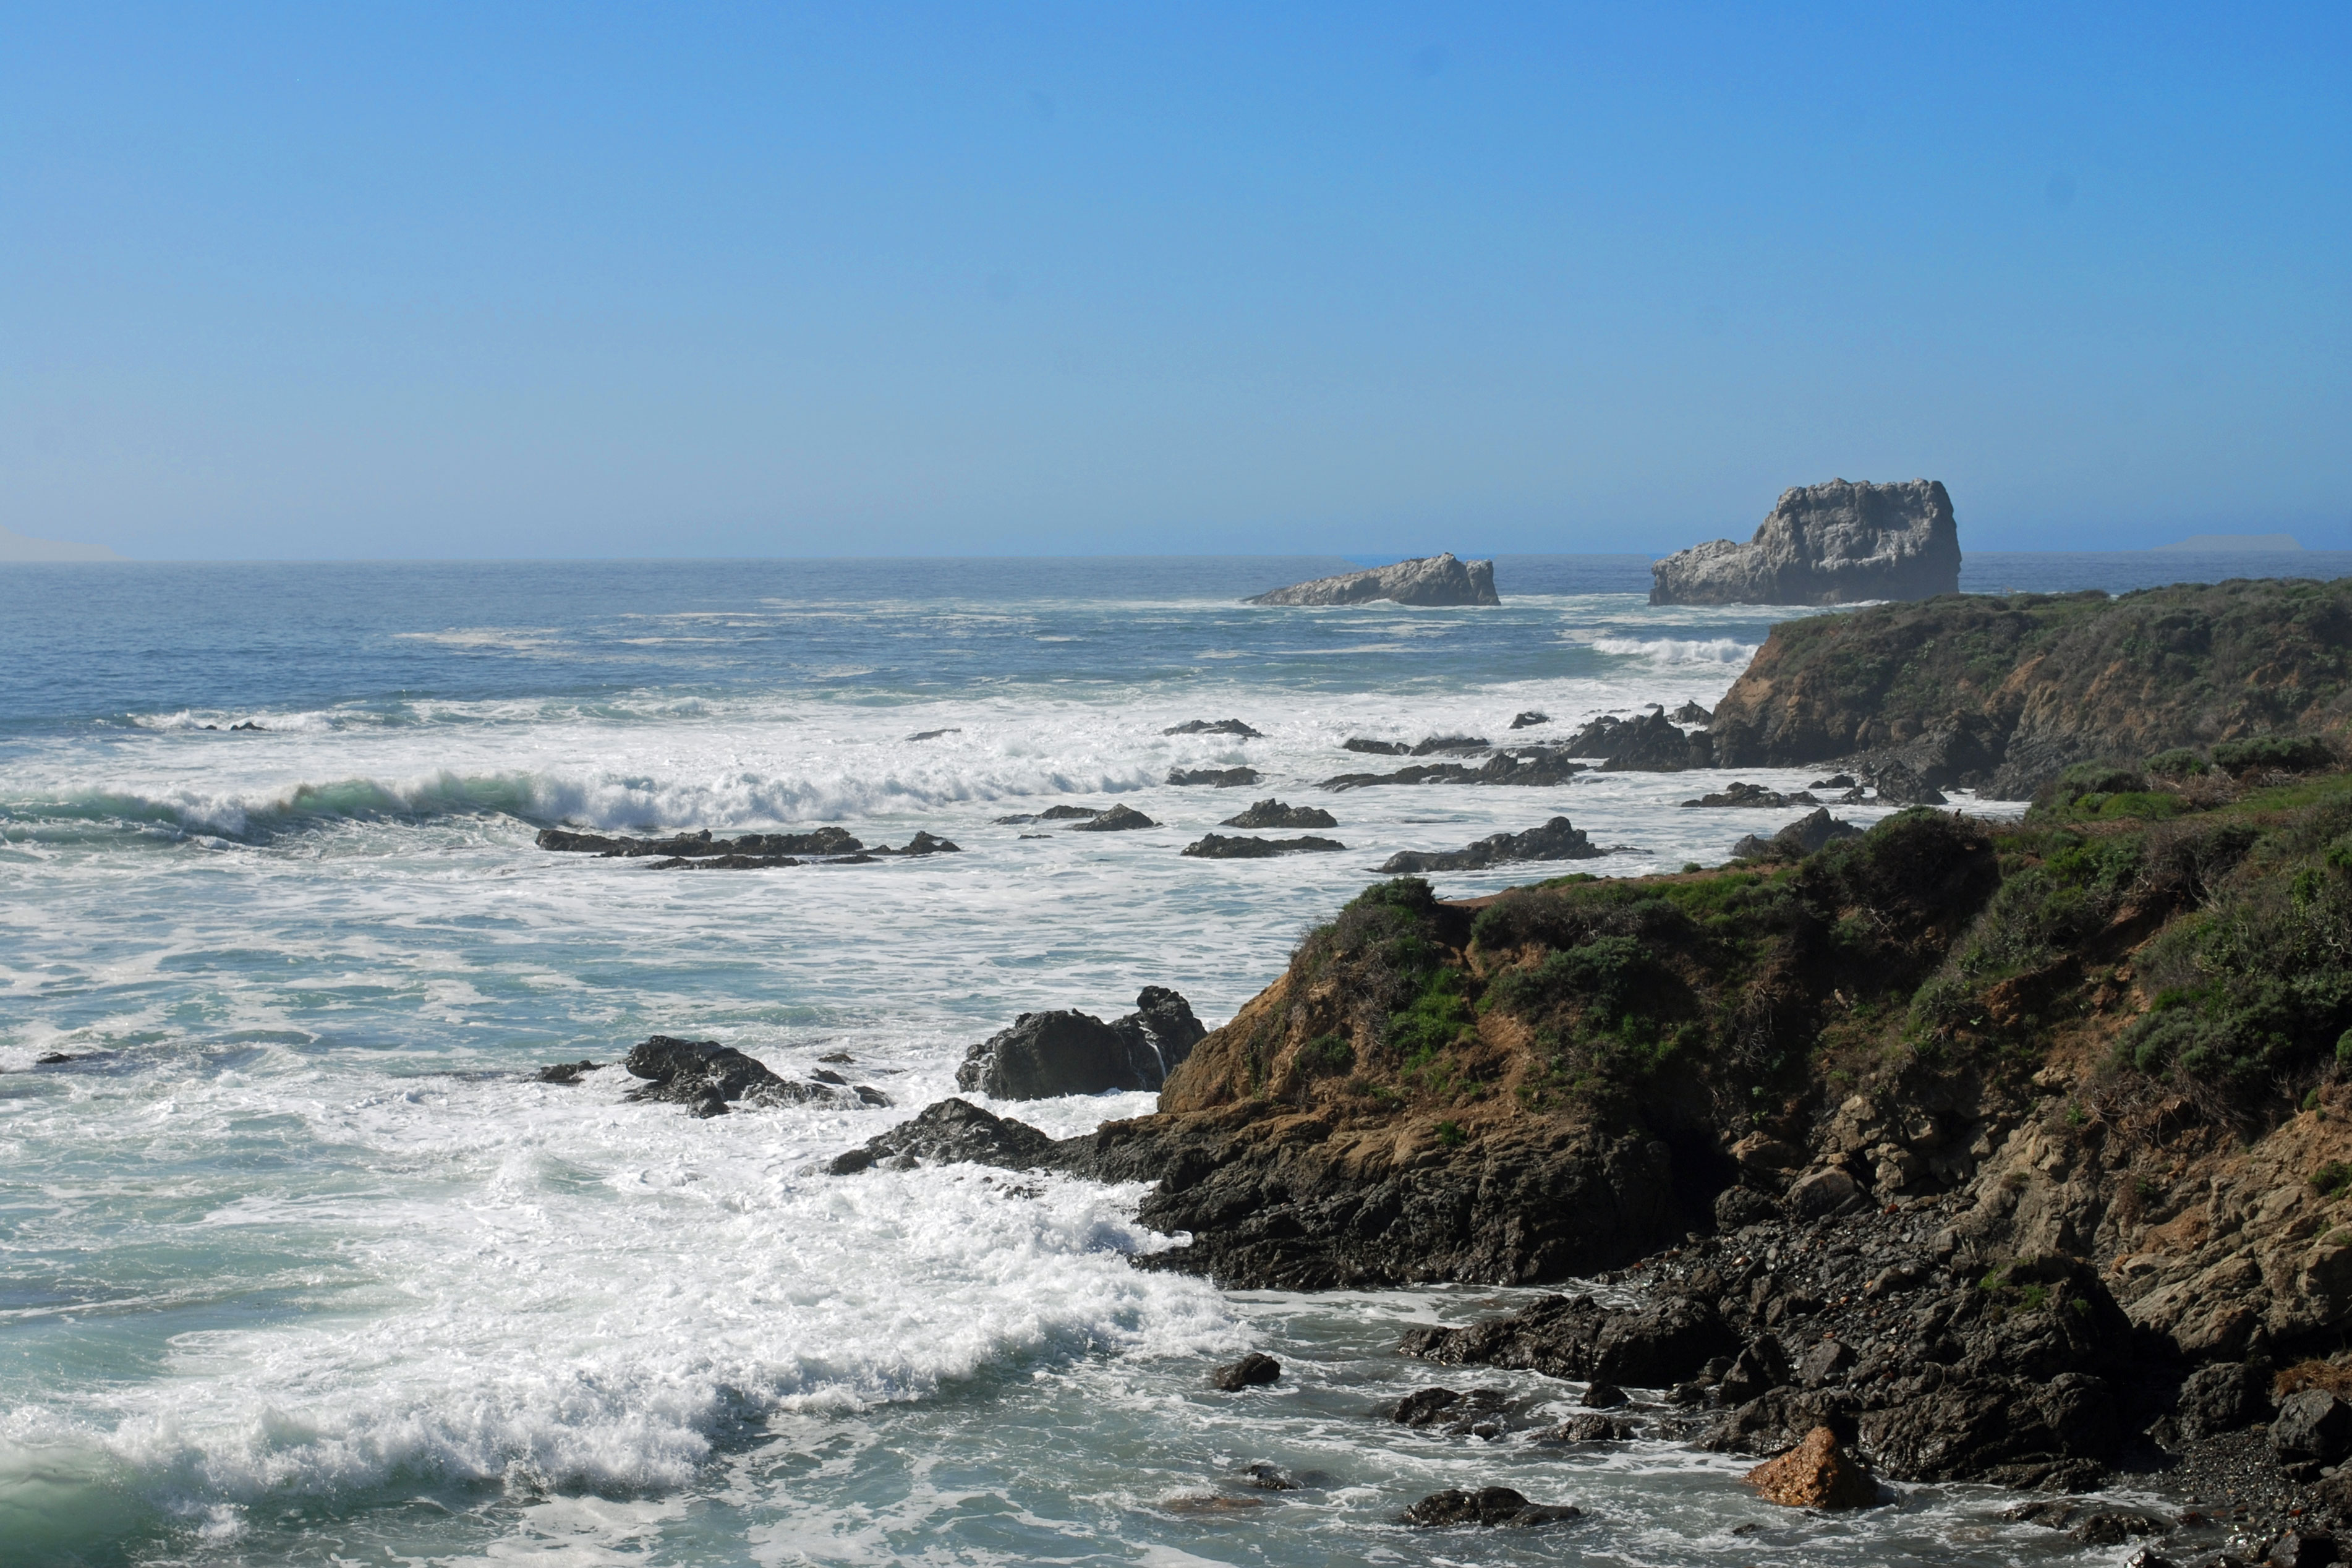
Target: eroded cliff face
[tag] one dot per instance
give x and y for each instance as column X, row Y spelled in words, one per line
column 2002, row 693
column 1837, row 543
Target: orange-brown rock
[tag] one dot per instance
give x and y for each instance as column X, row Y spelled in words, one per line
column 1816, row 1473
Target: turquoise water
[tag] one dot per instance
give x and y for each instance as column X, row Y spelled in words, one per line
column 298, row 1266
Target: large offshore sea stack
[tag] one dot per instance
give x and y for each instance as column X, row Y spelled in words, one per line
column 1431, row 580
column 1837, row 543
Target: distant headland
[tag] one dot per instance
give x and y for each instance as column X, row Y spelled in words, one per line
column 15, row 547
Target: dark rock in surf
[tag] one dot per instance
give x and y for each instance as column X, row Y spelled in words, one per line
column 1579, row 1339
column 702, row 845
column 952, row 1131
column 1118, row 819
column 933, row 734
column 2221, row 1397
column 1254, row 1370
column 1273, row 814
column 1432, row 580
column 1555, row 840
column 1739, row 796
column 1488, row 1506
column 1222, row 778
column 1529, row 719
column 1228, row 847
column 1519, row 766
column 1899, row 783
column 53, row 1058
column 248, row 724
column 710, row 1077
column 1216, row 727
column 1690, row 713
column 1376, row 748
column 567, row 1072
column 1043, row 1054
column 1051, row 813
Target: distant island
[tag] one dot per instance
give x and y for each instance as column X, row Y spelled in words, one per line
column 1838, row 544
column 15, row 547
column 1426, row 580
column 2213, row 542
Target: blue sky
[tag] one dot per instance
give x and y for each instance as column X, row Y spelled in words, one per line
column 717, row 281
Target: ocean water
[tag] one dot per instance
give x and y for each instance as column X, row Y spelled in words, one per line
column 298, row 1265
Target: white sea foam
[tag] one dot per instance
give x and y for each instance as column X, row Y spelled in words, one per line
column 1680, row 650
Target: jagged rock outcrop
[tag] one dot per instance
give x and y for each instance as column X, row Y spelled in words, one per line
column 1275, row 814
column 713, row 1078
column 1799, row 839
column 1555, row 840
column 1063, row 1052
column 2002, row 694
column 1118, row 819
column 1651, row 743
column 1430, row 580
column 1838, row 544
column 952, row 1131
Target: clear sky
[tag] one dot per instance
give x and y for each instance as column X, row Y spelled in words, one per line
column 705, row 280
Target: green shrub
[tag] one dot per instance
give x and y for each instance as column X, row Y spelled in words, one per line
column 1326, row 1056
column 2274, row 753
column 2332, row 1178
column 1450, row 1135
column 2180, row 763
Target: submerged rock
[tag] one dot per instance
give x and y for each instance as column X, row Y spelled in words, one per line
column 1223, row 778
column 567, row 1072
column 1555, row 840
column 1816, row 1473
column 1118, row 819
column 1837, row 543
column 1215, row 727
column 934, row 734
column 952, row 1131
column 1226, row 846
column 1043, row 1054
column 1431, row 580
column 1273, row 814
column 821, row 841
column 1486, row 1506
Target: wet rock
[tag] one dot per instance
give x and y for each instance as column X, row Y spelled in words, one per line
column 836, row 1059
column 1486, row 1506
column 1529, row 719
column 1267, row 1477
column 1515, row 767
column 709, row 1077
column 1690, row 713
column 1835, row 543
column 2312, row 1427
column 1816, row 1473
column 2220, row 1398
column 1605, row 1396
column 2298, row 1547
column 1835, row 781
column 934, row 734
column 561, row 1072
column 952, row 1131
column 1118, row 819
column 1070, row 814
column 1376, row 748
column 1275, row 814
column 1456, row 1412
column 1452, row 745
column 1757, row 1370
column 59, row 1059
column 1651, row 743
column 1741, row 795
column 1224, row 847
column 1579, row 1339
column 1214, row 727
column 1826, row 1362
column 1222, row 778
column 822, row 841
column 248, row 724
column 1432, row 580
column 1253, row 1371
column 1555, row 840
column 1898, row 783
column 1591, row 1428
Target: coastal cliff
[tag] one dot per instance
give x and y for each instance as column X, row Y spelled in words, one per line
column 2001, row 693
column 1836, row 543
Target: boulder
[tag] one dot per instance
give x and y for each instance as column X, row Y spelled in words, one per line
column 1062, row 1052
column 1273, row 814
column 1555, row 840
column 1655, row 744
column 1578, row 1338
column 1486, row 1506
column 1838, row 544
column 1823, row 1194
column 2221, row 1397
column 1118, row 819
column 1432, row 579
column 1226, row 846
column 1604, row 1396
column 1253, row 1371
column 2312, row 1427
column 1222, row 778
column 952, row 1132
column 1816, row 1473
column 1738, row 1207
column 1812, row 831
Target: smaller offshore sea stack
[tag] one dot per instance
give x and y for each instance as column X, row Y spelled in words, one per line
column 1430, row 580
column 1838, row 544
